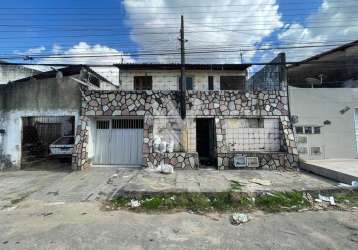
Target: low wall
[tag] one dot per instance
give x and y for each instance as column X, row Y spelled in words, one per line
column 180, row 160
column 267, row 160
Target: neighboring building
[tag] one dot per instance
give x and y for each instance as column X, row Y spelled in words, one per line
column 334, row 68
column 45, row 105
column 324, row 103
column 224, row 118
column 9, row 73
column 325, row 122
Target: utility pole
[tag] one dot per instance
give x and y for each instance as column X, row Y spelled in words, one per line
column 182, row 72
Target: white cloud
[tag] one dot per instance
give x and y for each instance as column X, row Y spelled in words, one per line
column 31, row 51
column 332, row 23
column 84, row 49
column 257, row 18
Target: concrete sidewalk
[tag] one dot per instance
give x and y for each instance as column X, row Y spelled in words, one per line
column 341, row 170
column 103, row 183
column 212, row 181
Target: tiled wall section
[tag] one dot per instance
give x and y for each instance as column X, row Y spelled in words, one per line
column 253, row 134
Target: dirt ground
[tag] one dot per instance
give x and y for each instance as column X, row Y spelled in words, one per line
column 83, row 225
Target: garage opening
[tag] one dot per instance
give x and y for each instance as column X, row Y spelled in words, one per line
column 206, row 141
column 119, row 142
column 47, row 142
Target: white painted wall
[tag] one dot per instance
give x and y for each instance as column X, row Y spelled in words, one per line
column 313, row 107
column 13, row 129
column 169, row 79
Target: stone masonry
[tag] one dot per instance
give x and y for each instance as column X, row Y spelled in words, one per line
column 215, row 104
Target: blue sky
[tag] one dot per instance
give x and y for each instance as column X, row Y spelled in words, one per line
column 68, row 26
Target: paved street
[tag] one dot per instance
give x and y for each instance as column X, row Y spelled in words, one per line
column 83, row 226
column 61, row 210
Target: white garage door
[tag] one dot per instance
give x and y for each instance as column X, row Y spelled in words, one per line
column 119, row 142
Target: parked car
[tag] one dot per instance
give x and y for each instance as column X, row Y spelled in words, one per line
column 62, row 146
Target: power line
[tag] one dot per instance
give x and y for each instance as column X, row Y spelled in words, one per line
column 54, row 56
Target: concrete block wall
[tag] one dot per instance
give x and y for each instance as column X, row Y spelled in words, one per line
column 169, row 79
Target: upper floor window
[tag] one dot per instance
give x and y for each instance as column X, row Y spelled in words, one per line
column 143, row 82
column 189, row 82
column 232, row 82
column 210, row 82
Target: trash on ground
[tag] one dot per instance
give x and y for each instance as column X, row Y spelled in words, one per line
column 344, row 185
column 329, row 199
column 134, row 203
column 164, row 169
column 309, row 198
column 354, row 237
column 261, row 182
column 46, row 214
column 239, row 218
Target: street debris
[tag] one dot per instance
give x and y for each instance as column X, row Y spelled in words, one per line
column 134, row 203
column 329, row 199
column 261, row 182
column 45, row 214
column 239, row 218
column 343, row 185
column 354, row 237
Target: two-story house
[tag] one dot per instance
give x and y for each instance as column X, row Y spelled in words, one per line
column 227, row 123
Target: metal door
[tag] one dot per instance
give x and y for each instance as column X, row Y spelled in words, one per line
column 119, row 142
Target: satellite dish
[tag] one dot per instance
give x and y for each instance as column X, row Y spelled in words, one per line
column 313, row 81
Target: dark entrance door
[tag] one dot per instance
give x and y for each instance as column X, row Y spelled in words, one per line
column 206, row 141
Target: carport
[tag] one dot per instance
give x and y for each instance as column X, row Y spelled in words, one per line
column 47, row 142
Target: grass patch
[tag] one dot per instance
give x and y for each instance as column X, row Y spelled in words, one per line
column 350, row 198
column 235, row 186
column 277, row 202
column 227, row 202
column 220, row 202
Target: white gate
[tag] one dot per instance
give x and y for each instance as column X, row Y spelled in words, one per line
column 119, row 142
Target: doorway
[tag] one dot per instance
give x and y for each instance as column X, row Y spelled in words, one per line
column 206, row 141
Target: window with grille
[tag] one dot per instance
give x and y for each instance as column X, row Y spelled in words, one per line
column 315, row 150
column 232, row 82
column 102, row 124
column 127, row 124
column 143, row 82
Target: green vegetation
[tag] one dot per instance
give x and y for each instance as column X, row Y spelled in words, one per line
column 350, row 198
column 235, row 186
column 277, row 202
column 231, row 201
column 220, row 202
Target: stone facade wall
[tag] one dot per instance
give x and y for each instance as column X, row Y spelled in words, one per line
column 267, row 160
column 178, row 160
column 221, row 105
column 236, row 103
